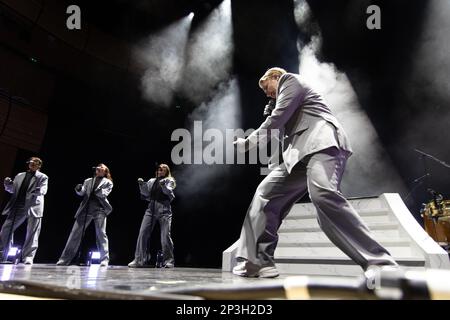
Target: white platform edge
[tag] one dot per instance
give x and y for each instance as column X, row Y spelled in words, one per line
column 229, row 257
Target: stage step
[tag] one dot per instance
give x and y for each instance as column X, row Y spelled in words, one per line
column 313, row 226
column 299, row 213
column 387, row 242
column 312, row 236
column 343, row 260
column 363, row 205
column 396, row 251
column 336, row 266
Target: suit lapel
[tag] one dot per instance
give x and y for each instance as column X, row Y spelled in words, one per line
column 92, row 182
column 20, row 180
column 90, row 186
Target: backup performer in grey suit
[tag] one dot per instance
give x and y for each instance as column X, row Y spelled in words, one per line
column 27, row 203
column 315, row 149
column 158, row 192
column 95, row 206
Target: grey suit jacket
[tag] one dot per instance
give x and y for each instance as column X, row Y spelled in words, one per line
column 305, row 122
column 102, row 191
column 167, row 185
column 34, row 199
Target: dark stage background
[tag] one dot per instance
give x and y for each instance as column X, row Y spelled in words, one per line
column 85, row 106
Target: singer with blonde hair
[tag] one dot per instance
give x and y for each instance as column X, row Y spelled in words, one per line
column 315, row 149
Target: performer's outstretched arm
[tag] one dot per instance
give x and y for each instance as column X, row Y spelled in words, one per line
column 81, row 189
column 144, row 189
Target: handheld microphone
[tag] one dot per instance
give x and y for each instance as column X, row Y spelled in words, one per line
column 269, row 108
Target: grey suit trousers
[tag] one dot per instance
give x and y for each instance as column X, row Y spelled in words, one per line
column 156, row 211
column 74, row 241
column 33, row 230
column 320, row 174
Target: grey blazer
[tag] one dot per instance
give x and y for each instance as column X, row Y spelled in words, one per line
column 167, row 185
column 102, row 191
column 305, row 122
column 34, row 199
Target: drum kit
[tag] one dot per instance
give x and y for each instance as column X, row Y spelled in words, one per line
column 436, row 213
column 436, row 219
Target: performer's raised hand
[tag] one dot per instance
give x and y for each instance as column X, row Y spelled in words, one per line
column 78, row 187
column 8, row 180
column 140, row 181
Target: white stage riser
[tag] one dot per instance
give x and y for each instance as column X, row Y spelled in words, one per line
column 320, row 236
column 333, row 252
column 299, row 227
column 326, row 269
column 297, row 243
column 300, row 213
column 371, row 221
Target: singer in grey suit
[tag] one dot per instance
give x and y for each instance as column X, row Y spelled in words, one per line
column 94, row 206
column 159, row 194
column 315, row 149
column 26, row 203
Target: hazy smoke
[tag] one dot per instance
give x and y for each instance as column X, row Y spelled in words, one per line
column 369, row 170
column 207, row 82
column 162, row 56
column 209, row 55
column 193, row 65
column 428, row 85
column 432, row 63
column 221, row 113
column 426, row 90
column 304, row 18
